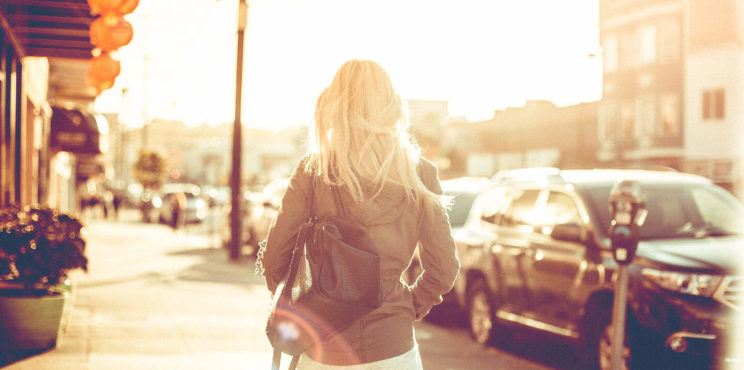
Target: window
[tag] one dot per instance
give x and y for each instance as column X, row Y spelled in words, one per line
column 627, row 118
column 646, row 115
column 607, row 119
column 609, row 53
column 647, row 35
column 628, row 50
column 669, row 115
column 670, row 41
column 489, row 204
column 560, row 209
column 714, row 104
column 521, row 212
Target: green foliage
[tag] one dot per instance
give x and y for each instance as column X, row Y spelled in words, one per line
column 38, row 246
column 150, row 169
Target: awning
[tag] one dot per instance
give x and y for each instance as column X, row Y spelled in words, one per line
column 58, row 30
column 77, row 132
column 48, row 28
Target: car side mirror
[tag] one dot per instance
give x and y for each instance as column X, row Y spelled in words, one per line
column 575, row 233
column 568, row 233
column 489, row 217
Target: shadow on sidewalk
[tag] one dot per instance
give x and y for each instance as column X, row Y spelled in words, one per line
column 212, row 266
column 215, row 267
column 9, row 357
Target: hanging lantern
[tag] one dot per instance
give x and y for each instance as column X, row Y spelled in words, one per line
column 98, row 84
column 103, row 6
column 104, row 68
column 127, row 6
column 110, row 32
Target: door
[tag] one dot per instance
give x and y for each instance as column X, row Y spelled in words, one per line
column 513, row 247
column 557, row 267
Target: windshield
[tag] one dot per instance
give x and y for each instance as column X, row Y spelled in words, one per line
column 678, row 211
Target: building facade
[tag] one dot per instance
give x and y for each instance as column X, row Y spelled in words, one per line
column 673, row 86
column 44, row 53
column 641, row 112
column 539, row 134
column 714, row 92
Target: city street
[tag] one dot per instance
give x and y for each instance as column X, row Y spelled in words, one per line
column 158, row 299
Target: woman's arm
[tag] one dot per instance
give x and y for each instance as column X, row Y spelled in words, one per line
column 437, row 251
column 276, row 252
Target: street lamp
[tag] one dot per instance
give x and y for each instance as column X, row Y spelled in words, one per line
column 235, row 224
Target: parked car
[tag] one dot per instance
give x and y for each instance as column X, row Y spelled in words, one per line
column 463, row 191
column 537, row 254
column 258, row 210
column 196, row 206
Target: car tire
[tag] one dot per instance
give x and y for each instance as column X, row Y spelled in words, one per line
column 481, row 315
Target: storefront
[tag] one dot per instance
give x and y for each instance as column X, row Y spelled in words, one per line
column 44, row 53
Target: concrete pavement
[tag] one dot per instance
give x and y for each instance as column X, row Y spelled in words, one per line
column 158, row 299
column 155, row 299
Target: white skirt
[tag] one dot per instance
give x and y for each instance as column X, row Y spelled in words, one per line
column 410, row 360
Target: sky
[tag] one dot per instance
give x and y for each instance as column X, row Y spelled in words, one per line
column 479, row 55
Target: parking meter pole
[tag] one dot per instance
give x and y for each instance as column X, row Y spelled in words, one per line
column 618, row 317
column 628, row 212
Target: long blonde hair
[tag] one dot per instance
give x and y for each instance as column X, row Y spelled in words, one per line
column 360, row 137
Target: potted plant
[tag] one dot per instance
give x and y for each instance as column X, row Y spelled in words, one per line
column 38, row 247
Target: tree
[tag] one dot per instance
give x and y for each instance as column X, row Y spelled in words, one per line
column 150, row 169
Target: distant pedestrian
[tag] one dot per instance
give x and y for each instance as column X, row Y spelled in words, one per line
column 117, row 202
column 361, row 143
column 178, row 208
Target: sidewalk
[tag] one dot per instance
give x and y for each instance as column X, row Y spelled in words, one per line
column 155, row 299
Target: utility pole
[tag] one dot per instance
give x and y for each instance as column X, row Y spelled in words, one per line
column 237, row 150
column 145, row 81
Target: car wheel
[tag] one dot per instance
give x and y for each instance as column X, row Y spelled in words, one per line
column 603, row 344
column 481, row 309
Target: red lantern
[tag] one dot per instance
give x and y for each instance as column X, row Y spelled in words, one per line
column 103, row 6
column 99, row 84
column 127, row 6
column 110, row 32
column 104, row 68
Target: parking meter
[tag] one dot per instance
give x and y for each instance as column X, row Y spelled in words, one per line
column 628, row 212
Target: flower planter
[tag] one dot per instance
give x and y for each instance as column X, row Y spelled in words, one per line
column 29, row 322
column 38, row 247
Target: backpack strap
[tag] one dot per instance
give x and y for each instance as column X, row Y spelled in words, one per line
column 294, row 263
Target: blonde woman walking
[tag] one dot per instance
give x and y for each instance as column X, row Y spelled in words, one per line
column 360, row 143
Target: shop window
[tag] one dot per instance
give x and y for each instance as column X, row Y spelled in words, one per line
column 714, row 104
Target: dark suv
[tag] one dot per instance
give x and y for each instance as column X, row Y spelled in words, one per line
column 535, row 252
